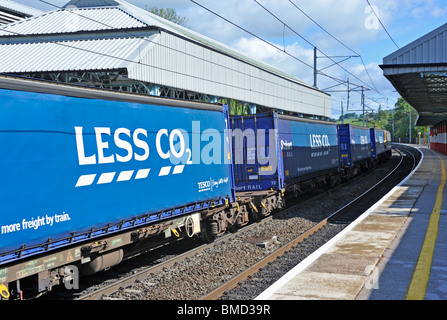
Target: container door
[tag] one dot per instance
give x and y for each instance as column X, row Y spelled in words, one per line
column 345, row 144
column 373, row 143
column 254, row 152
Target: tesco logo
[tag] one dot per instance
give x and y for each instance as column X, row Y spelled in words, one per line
column 205, row 184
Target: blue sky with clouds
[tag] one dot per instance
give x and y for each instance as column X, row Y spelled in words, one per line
column 350, row 21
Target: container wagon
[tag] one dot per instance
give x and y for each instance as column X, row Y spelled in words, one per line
column 94, row 171
column 277, row 153
column 388, row 145
column 377, row 142
column 380, row 144
column 355, row 148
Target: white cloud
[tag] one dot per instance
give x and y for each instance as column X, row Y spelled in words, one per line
column 259, row 50
column 439, row 12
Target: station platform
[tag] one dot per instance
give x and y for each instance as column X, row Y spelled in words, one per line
column 397, row 250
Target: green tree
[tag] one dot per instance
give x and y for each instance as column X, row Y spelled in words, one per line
column 402, row 122
column 381, row 119
column 168, row 14
column 347, row 116
column 400, row 118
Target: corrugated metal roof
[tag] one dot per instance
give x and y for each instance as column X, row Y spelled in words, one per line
column 431, row 48
column 154, row 20
column 188, row 66
column 93, row 3
column 121, row 17
column 6, row 17
column 179, row 58
column 105, row 54
column 19, row 8
column 73, row 20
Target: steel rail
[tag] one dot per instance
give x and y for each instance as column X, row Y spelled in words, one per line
column 338, row 212
column 131, row 279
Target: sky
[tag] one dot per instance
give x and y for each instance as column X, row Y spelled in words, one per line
column 352, row 23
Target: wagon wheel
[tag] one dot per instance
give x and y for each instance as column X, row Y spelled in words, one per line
column 210, row 231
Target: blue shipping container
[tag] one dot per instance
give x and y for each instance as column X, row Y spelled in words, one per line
column 355, row 144
column 256, row 151
column 70, row 164
column 377, row 142
column 295, row 150
column 309, row 147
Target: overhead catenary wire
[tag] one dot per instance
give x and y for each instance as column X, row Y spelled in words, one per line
column 271, row 44
column 327, row 56
column 191, row 55
column 362, row 94
column 304, row 39
column 381, row 23
column 340, row 81
column 252, row 34
column 367, row 87
column 338, row 40
column 284, row 50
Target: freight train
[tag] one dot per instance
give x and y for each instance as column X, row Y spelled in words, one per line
column 92, row 177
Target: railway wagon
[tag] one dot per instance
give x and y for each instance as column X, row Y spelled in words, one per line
column 309, row 148
column 78, row 164
column 380, row 144
column 377, row 142
column 388, row 142
column 275, row 152
column 355, row 146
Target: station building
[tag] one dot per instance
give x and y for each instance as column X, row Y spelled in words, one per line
column 115, row 45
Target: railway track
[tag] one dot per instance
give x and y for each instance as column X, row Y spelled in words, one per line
column 137, row 284
column 141, row 275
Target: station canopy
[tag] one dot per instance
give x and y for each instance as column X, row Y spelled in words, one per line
column 114, row 45
column 418, row 71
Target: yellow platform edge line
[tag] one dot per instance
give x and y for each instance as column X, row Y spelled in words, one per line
column 421, row 274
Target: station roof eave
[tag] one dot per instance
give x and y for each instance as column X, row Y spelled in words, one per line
column 418, row 71
column 424, row 87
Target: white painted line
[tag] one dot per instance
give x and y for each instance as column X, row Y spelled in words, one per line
column 178, row 169
column 106, row 177
column 86, row 180
column 125, row 176
column 142, row 174
column 164, row 171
